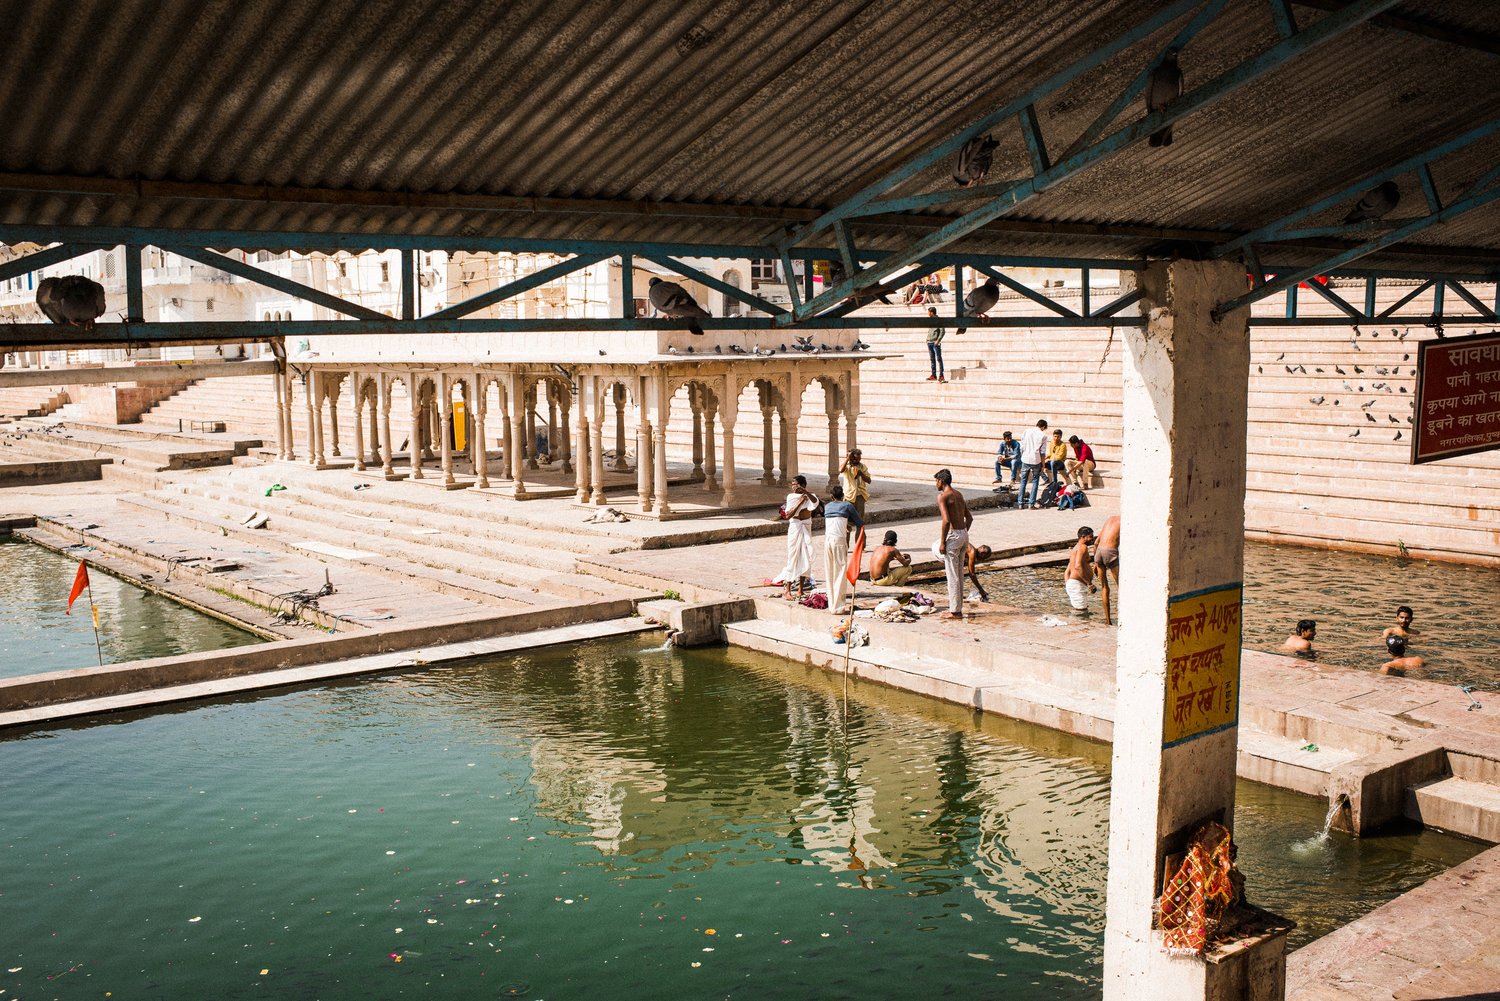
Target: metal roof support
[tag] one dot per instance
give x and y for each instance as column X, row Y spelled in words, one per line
column 1109, row 309
column 1410, row 228
column 704, row 278
column 1408, row 297
column 944, row 150
column 1420, row 28
column 1002, row 198
column 1344, row 306
column 260, row 276
column 1026, row 291
column 1284, row 18
column 39, row 259
column 531, row 281
column 1485, row 312
column 1277, row 231
column 627, row 286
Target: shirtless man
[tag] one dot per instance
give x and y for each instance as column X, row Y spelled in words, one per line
column 882, row 572
column 1301, row 641
column 1401, row 662
column 1080, row 575
column 953, row 540
column 976, row 554
column 1107, row 559
column 1403, row 627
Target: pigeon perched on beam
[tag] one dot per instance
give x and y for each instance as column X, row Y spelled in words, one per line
column 971, row 164
column 1164, row 87
column 1376, row 203
column 671, row 299
column 980, row 300
column 71, row 300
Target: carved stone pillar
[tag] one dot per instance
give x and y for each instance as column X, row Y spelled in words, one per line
column 359, row 424
column 766, row 456
column 695, row 403
column 643, row 463
column 833, row 446
column 710, row 470
column 281, row 405
column 479, row 449
column 388, row 451
column 729, row 417
column 621, row 465
column 507, row 440
column 445, row 435
column 415, row 445
column 518, row 411
column 565, row 437
column 333, row 413
column 309, row 386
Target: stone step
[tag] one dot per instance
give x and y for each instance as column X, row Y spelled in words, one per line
column 474, row 582
column 517, row 580
column 1461, row 806
column 154, row 455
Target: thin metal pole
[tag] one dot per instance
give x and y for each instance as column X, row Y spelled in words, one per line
column 94, row 615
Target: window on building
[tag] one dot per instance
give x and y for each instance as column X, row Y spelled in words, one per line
column 343, row 270
column 732, row 306
column 208, row 307
column 763, row 270
column 385, row 271
column 109, row 265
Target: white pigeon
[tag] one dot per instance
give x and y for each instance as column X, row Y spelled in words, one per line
column 1164, row 87
column 671, row 299
column 72, row 300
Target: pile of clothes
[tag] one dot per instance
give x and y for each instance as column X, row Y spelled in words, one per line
column 908, row 607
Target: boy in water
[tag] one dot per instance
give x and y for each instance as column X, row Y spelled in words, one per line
column 1400, row 662
column 1301, row 641
column 1403, row 627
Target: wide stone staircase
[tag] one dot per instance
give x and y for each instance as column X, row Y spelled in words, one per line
column 471, row 551
column 30, row 401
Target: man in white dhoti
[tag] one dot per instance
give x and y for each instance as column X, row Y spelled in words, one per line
column 798, row 512
column 839, row 517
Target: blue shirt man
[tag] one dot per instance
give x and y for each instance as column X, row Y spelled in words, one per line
column 1008, row 456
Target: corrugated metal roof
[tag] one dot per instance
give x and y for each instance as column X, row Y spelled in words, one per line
column 698, row 120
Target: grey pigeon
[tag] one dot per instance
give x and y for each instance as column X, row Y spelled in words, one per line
column 1339, row 370
column 981, row 300
column 71, row 300
column 1370, row 417
column 1376, row 203
column 718, row 349
column 1398, row 436
column 971, row 164
column 1316, row 400
column 1164, row 87
column 671, row 299
column 1392, row 418
column 1355, row 434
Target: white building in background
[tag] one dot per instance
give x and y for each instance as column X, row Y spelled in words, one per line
column 175, row 289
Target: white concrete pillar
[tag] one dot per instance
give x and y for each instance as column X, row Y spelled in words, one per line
column 281, row 404
column 851, row 411
column 359, row 424
column 833, row 445
column 710, row 461
column 565, row 436
column 507, row 441
column 414, row 383
column 643, row 465
column 288, row 422
column 729, row 416
column 695, row 403
column 767, row 467
column 583, row 466
column 444, row 429
column 621, row 464
column 309, row 388
column 1185, row 387
column 518, row 411
column 388, row 449
column 529, row 404
column 789, row 418
column 479, row 448
column 333, row 412
column 659, row 446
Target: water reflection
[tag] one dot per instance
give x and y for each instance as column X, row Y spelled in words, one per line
column 36, row 635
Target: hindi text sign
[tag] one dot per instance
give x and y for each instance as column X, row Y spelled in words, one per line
column 1203, row 663
column 1458, row 397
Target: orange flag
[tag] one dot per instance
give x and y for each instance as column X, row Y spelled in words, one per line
column 856, row 557
column 80, row 581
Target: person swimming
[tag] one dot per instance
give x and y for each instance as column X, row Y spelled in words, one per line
column 1301, row 640
column 1400, row 661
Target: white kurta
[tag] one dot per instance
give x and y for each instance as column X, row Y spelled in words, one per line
column 835, row 559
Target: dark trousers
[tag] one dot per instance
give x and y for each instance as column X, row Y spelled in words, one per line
column 935, row 357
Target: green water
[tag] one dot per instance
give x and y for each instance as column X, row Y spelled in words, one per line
column 594, row 822
column 1352, row 596
column 37, row 635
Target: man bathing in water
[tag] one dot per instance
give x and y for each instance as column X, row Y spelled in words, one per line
column 975, row 554
column 882, row 572
column 1301, row 641
column 1403, row 627
column 1401, row 662
column 1079, row 580
column 1107, row 559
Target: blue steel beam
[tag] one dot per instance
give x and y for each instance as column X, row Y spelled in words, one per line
column 943, row 151
column 1343, row 305
column 534, row 280
column 29, row 336
column 1273, row 231
column 1005, row 197
column 1485, row 312
column 260, row 276
column 38, row 259
column 1028, row 292
column 1415, row 226
column 1408, row 297
column 704, row 278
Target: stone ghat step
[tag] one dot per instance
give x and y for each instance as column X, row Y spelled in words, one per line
column 1346, row 484
column 490, row 519
column 156, row 455
column 476, row 577
column 352, row 513
column 1462, row 806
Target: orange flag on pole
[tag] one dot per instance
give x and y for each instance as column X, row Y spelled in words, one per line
column 856, row 558
column 80, row 582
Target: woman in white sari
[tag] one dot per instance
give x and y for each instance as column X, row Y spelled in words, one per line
column 798, row 512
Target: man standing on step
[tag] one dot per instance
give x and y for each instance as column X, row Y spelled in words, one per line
column 935, row 349
column 839, row 517
column 953, row 540
column 1033, row 447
